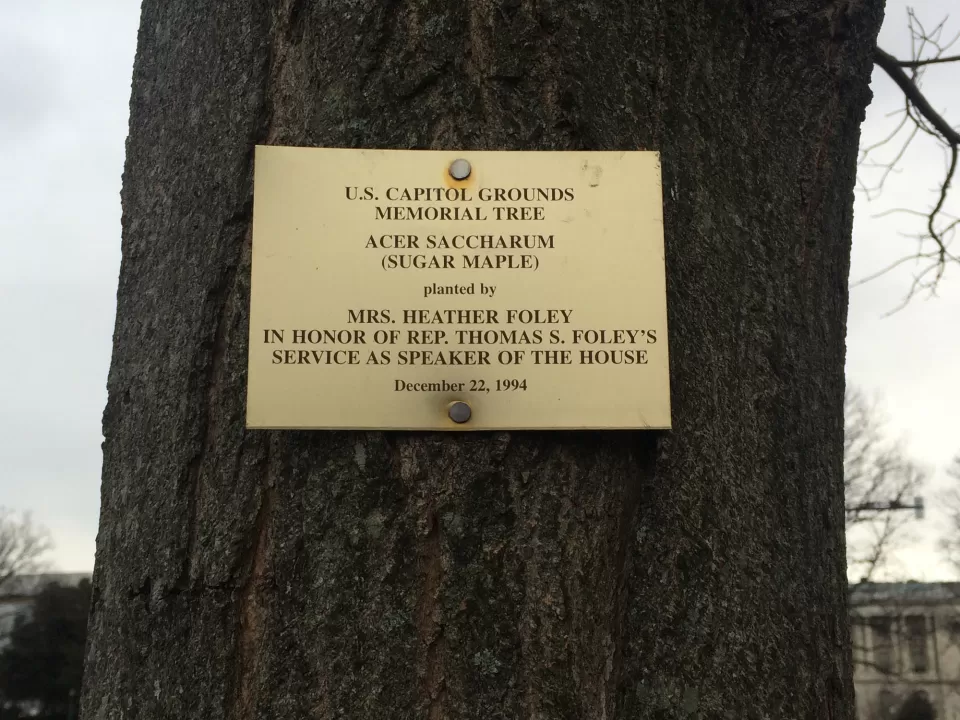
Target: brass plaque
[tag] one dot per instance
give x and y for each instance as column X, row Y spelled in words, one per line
column 385, row 291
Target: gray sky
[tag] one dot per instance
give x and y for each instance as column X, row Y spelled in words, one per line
column 65, row 79
column 65, row 82
column 911, row 358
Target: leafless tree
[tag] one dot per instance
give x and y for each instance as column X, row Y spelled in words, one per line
column 930, row 48
column 23, row 545
column 950, row 501
column 879, row 480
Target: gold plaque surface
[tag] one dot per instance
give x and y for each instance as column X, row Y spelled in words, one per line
column 384, row 291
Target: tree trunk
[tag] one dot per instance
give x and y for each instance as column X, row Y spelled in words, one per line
column 697, row 573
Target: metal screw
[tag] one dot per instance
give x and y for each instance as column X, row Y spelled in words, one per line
column 459, row 412
column 460, row 169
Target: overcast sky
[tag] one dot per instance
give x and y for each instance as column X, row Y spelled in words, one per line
column 65, row 82
column 911, row 358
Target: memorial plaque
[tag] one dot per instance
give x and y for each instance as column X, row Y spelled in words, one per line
column 440, row 290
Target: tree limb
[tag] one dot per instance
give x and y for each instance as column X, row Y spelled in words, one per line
column 914, row 64
column 920, row 112
column 894, row 68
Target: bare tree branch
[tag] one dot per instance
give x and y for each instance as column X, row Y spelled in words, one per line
column 22, row 545
column 878, row 478
column 950, row 501
column 933, row 245
column 932, row 61
column 894, row 69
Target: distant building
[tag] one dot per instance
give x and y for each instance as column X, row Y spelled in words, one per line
column 17, row 595
column 906, row 650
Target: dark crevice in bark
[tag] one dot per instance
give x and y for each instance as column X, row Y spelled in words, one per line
column 389, row 21
column 428, row 615
column 427, row 82
column 221, row 300
column 251, row 617
column 638, row 491
column 294, row 22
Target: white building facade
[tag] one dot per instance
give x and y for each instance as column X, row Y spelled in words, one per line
column 906, row 650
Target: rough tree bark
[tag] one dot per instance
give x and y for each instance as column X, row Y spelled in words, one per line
column 693, row 573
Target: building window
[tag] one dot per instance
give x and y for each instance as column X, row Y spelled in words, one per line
column 917, row 642
column 953, row 630
column 882, row 643
column 858, row 636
